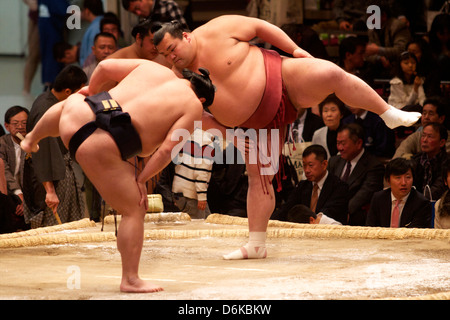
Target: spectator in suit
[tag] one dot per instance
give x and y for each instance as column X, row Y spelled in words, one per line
column 322, row 192
column 362, row 171
column 429, row 162
column 306, row 124
column 379, row 140
column 14, row 158
column 400, row 205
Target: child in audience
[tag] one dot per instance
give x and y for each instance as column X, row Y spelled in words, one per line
column 407, row 87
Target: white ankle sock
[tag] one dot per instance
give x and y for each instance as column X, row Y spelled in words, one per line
column 254, row 249
column 394, row 117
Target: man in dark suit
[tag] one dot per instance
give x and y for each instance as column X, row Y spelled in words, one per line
column 362, row 171
column 306, row 124
column 400, row 205
column 379, row 140
column 323, row 192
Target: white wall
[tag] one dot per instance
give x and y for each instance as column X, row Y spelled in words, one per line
column 13, row 27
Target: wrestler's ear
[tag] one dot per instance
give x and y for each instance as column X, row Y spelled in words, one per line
column 187, row 36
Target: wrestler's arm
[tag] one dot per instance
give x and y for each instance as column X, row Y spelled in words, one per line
column 109, row 72
column 246, row 28
column 174, row 141
column 209, row 122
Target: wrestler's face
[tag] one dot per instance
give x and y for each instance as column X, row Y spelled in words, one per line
column 146, row 47
column 314, row 168
column 176, row 51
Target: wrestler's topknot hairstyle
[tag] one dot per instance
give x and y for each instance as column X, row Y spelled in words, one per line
column 201, row 84
column 142, row 28
column 175, row 28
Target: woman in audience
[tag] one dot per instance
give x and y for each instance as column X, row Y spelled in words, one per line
column 332, row 110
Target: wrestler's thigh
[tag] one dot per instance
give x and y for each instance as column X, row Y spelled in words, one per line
column 114, row 178
column 308, row 80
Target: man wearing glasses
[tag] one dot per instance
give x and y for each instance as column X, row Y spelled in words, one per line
column 14, row 157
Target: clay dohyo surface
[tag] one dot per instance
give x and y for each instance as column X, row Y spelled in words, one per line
column 193, row 269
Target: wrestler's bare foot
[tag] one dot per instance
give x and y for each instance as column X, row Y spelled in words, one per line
column 27, row 145
column 138, row 286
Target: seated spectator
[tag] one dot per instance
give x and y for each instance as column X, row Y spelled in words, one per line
column 303, row 214
column 111, row 23
column 429, row 162
column 228, row 186
column 10, row 221
column 306, row 38
column 306, row 124
column 332, row 110
column 386, row 44
column 350, row 14
column 400, row 205
column 379, row 140
column 192, row 174
column 434, row 110
column 407, row 91
column 92, row 12
column 66, row 53
column 104, row 45
column 322, row 191
column 442, row 206
column 351, row 58
column 427, row 67
column 14, row 157
column 362, row 171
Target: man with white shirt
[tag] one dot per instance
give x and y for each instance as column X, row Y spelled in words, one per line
column 14, row 158
column 400, row 205
column 322, row 192
column 362, row 171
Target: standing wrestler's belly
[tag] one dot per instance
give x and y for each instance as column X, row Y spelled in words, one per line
column 240, row 90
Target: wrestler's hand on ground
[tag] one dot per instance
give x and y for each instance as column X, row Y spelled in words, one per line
column 300, row 53
column 143, row 193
